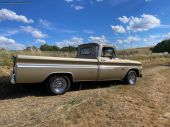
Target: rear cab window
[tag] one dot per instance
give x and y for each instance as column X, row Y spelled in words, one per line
column 86, row 51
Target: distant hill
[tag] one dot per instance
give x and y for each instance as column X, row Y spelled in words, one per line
column 1, row 49
column 133, row 51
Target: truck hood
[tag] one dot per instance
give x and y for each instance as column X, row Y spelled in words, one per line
column 129, row 61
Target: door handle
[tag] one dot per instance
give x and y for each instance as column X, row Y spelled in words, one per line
column 103, row 60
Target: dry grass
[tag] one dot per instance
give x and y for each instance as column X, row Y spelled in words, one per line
column 5, row 56
column 151, row 60
column 146, row 104
column 96, row 104
column 146, row 59
column 138, row 51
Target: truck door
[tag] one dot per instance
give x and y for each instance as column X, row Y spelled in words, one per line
column 110, row 68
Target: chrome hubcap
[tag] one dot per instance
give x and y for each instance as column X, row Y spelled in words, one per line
column 59, row 85
column 132, row 78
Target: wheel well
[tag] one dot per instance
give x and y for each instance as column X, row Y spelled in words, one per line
column 136, row 70
column 70, row 76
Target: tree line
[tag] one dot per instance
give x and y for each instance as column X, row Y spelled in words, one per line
column 163, row 46
column 47, row 47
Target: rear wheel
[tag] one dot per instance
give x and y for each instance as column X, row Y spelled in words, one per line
column 58, row 85
column 131, row 78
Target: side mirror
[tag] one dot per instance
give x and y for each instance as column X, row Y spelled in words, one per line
column 110, row 57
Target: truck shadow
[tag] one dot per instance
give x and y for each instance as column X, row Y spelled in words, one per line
column 8, row 91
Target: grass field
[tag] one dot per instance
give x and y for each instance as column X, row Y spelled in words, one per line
column 97, row 104
column 5, row 56
column 143, row 55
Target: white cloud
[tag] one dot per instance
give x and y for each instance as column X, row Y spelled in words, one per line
column 129, row 40
column 166, row 36
column 100, row 40
column 6, row 14
column 41, row 41
column 88, row 31
column 46, row 24
column 77, row 4
column 68, row 31
column 77, row 7
column 144, row 23
column 124, row 19
column 157, row 38
column 147, row 0
column 118, row 2
column 149, row 40
column 99, row 0
column 75, row 41
column 9, row 32
column 6, row 40
column 153, row 39
column 68, row 1
column 10, row 44
column 118, row 29
column 33, row 31
column 154, row 36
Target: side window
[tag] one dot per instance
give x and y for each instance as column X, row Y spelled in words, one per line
column 108, row 52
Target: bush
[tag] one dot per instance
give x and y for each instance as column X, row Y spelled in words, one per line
column 5, row 58
column 47, row 47
column 69, row 49
column 163, row 46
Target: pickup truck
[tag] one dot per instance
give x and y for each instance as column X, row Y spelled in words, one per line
column 94, row 62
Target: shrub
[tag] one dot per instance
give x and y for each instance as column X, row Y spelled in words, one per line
column 5, row 58
column 163, row 46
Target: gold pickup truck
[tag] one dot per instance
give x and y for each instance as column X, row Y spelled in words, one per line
column 94, row 62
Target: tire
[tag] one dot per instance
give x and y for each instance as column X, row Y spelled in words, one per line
column 131, row 77
column 58, row 85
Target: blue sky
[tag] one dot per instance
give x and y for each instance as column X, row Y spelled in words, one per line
column 73, row 22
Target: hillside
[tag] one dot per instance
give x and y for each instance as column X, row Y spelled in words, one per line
column 136, row 51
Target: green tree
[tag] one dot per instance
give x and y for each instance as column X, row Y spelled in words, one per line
column 69, row 49
column 163, row 46
column 47, row 47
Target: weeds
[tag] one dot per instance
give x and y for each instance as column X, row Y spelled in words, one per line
column 5, row 56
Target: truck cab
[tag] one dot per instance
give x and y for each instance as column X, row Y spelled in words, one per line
column 94, row 51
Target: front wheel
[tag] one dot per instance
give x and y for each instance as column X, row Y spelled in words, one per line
column 58, row 85
column 131, row 78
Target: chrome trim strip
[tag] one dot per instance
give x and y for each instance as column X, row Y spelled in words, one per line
column 110, row 67
column 23, row 65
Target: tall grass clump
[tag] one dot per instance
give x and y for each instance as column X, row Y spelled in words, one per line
column 5, row 58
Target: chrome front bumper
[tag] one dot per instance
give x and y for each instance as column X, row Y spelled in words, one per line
column 12, row 78
column 140, row 75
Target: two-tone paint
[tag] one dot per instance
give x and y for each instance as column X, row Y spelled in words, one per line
column 36, row 69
